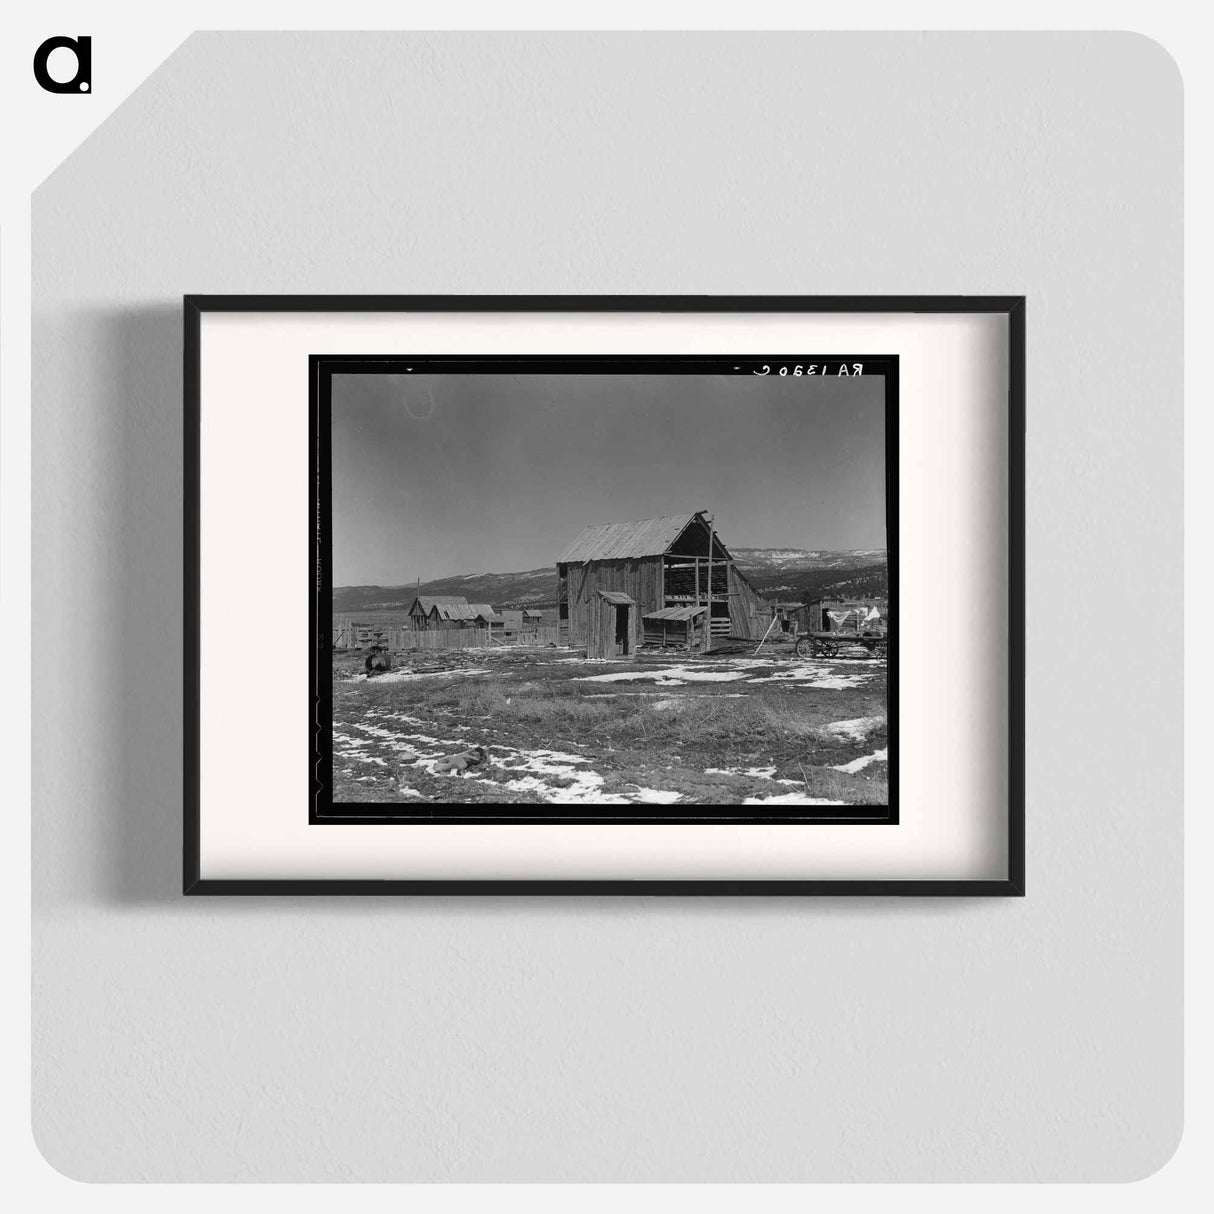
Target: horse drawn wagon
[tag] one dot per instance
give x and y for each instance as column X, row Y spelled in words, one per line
column 828, row 644
column 834, row 625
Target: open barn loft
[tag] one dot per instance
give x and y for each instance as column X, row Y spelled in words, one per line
column 617, row 581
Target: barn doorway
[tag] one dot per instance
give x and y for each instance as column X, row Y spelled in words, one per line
column 623, row 629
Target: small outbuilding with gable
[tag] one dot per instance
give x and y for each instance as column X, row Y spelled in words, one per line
column 430, row 611
column 682, row 627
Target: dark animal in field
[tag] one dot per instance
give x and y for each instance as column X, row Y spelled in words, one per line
column 377, row 662
column 462, row 763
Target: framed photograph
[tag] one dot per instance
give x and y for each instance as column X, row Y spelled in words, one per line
column 615, row 594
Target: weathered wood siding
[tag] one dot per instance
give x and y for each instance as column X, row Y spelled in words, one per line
column 746, row 610
column 600, row 618
column 679, row 634
column 640, row 579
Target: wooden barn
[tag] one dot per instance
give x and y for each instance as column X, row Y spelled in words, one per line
column 615, row 576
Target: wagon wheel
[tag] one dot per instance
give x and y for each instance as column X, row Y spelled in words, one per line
column 805, row 647
column 828, row 649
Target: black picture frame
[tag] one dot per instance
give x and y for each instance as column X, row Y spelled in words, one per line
column 1012, row 307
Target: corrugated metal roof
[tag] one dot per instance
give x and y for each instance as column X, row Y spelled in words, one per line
column 532, row 614
column 480, row 609
column 675, row 613
column 618, row 597
column 617, row 541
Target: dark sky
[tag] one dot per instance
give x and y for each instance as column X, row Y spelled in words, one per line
column 437, row 475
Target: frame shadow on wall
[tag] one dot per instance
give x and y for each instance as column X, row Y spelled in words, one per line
column 139, row 615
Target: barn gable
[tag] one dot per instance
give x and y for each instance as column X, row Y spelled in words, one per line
column 684, row 534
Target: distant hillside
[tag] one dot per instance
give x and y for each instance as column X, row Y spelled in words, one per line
column 533, row 588
column 793, row 573
column 776, row 573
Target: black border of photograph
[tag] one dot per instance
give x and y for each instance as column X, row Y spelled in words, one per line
column 323, row 810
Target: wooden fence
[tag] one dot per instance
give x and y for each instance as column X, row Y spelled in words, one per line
column 438, row 638
column 349, row 634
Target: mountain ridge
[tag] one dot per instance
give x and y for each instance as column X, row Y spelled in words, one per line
column 776, row 573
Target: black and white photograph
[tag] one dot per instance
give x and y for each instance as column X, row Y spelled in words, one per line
column 598, row 589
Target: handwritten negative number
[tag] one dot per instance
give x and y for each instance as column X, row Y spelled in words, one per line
column 812, row 369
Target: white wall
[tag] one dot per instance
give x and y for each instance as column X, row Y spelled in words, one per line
column 625, row 1039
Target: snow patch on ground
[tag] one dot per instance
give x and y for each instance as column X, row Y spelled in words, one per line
column 815, row 675
column 790, row 798
column 540, row 756
column 392, row 737
column 671, row 676
column 580, row 786
column 527, row 784
column 657, row 796
column 755, row 773
column 584, row 787
column 879, row 756
column 402, row 717
column 840, row 683
column 857, row 729
column 410, row 676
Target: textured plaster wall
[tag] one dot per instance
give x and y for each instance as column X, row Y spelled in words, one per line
column 628, row 1039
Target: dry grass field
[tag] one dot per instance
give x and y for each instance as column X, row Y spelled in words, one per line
column 716, row 729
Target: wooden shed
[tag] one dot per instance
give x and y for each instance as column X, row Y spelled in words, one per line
column 612, row 629
column 679, row 626
column 790, row 616
column 674, row 561
column 483, row 616
column 445, row 611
